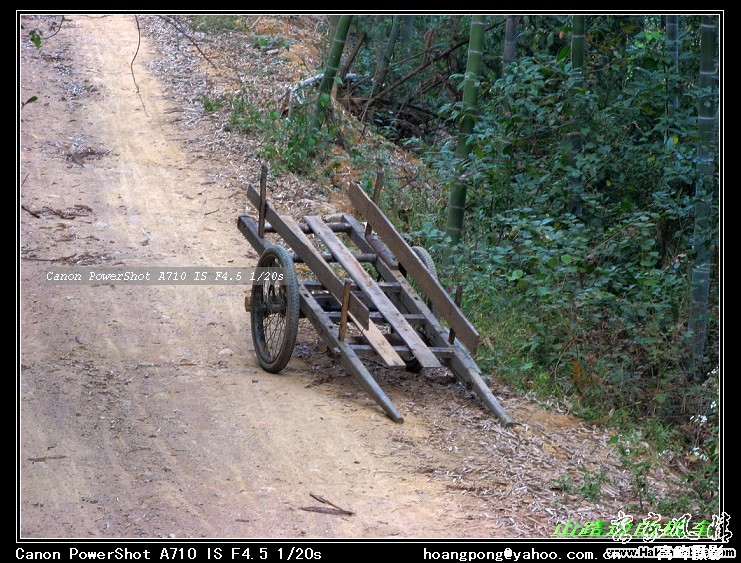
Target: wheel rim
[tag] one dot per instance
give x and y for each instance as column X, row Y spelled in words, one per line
column 275, row 309
column 270, row 305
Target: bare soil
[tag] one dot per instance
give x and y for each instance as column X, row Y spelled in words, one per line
column 143, row 412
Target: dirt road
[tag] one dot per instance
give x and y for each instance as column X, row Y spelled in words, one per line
column 143, row 413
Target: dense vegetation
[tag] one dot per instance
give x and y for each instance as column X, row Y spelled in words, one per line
column 589, row 253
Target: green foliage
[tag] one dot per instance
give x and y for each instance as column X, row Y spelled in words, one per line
column 211, row 104
column 265, row 42
column 290, row 143
column 591, row 488
column 591, row 311
column 35, row 36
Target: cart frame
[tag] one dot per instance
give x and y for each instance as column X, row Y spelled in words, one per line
column 394, row 321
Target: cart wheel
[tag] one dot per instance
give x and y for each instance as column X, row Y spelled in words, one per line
column 275, row 311
column 429, row 263
column 413, row 364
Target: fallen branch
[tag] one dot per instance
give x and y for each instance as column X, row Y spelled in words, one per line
column 351, row 56
column 77, row 210
column 291, row 93
column 131, row 64
column 326, row 510
column 46, row 458
column 60, row 259
column 26, row 209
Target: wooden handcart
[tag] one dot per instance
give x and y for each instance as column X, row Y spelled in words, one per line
column 369, row 292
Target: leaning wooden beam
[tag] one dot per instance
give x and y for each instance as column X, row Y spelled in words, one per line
column 374, row 293
column 349, row 358
column 432, row 289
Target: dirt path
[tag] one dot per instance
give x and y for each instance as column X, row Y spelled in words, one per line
column 143, row 413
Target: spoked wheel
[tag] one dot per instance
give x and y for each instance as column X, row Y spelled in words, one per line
column 412, row 364
column 275, row 310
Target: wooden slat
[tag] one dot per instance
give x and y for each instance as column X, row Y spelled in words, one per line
column 377, row 340
column 300, row 243
column 368, row 257
column 439, row 351
column 440, row 299
column 374, row 293
column 374, row 317
column 387, row 287
column 344, row 312
column 336, row 227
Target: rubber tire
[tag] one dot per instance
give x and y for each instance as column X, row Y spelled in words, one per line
column 413, row 364
column 277, row 257
column 427, row 260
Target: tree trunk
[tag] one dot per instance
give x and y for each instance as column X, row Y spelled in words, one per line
column 457, row 199
column 330, row 71
column 704, row 190
column 576, row 182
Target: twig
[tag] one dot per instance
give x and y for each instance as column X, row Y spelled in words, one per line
column 58, row 28
column 323, row 509
column 351, row 56
column 46, row 458
column 131, row 65
column 28, row 210
column 424, row 65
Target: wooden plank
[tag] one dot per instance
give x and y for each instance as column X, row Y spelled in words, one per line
column 440, row 352
column 367, row 257
column 377, row 340
column 376, row 318
column 343, row 314
column 440, row 299
column 387, row 287
column 374, row 293
column 289, row 230
column 336, row 227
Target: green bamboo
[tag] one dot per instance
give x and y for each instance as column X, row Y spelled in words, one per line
column 383, row 66
column 333, row 21
column 576, row 183
column 407, row 29
column 510, row 43
column 457, row 198
column 672, row 46
column 702, row 236
column 331, row 68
